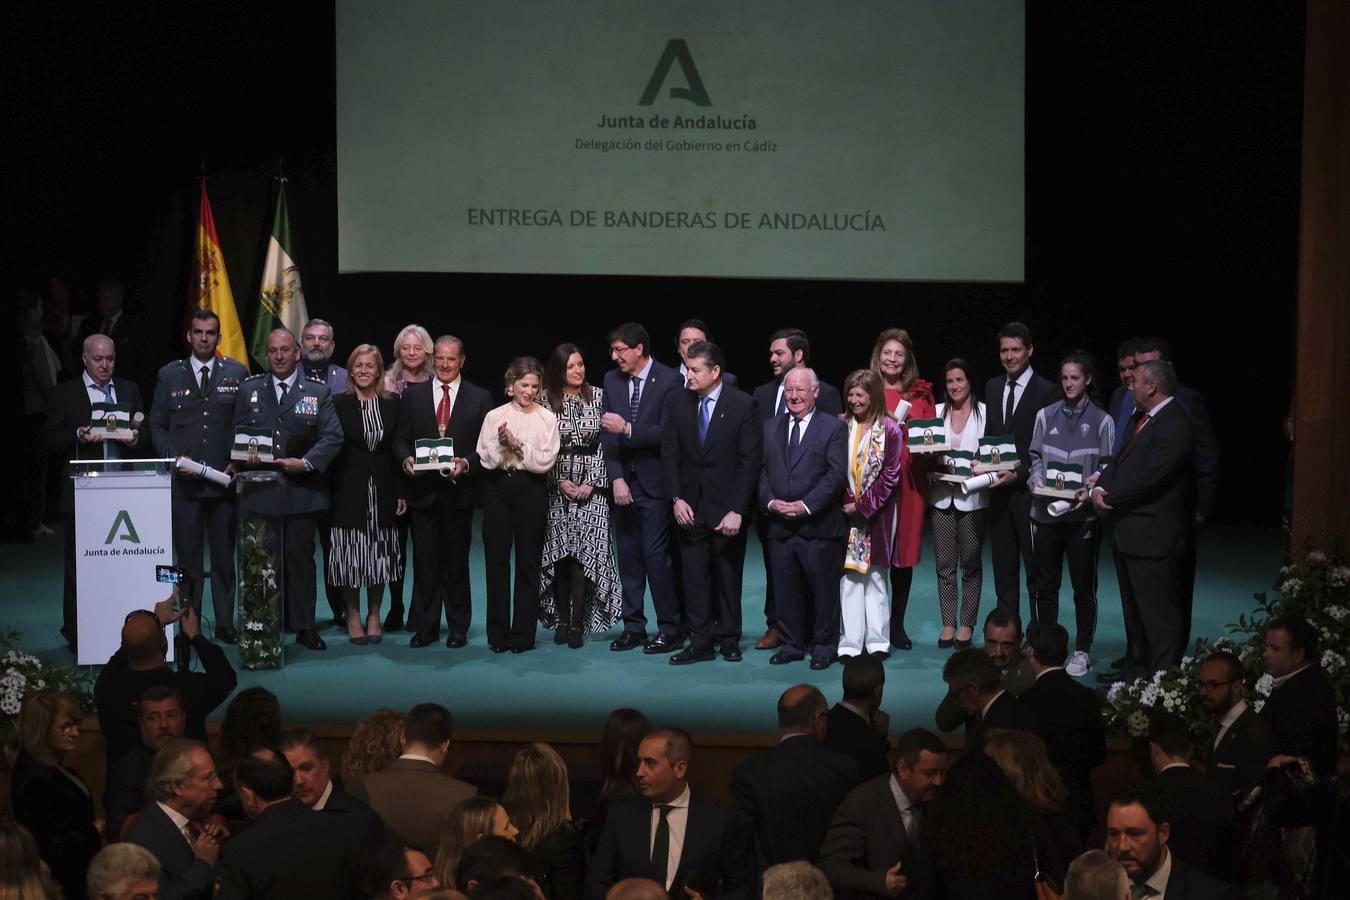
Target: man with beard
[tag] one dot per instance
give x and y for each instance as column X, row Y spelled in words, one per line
column 316, row 352
column 161, row 719
column 1137, row 828
column 1002, row 644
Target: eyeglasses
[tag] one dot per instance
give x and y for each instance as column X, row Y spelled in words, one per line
column 427, row 877
column 140, row 612
column 618, row 350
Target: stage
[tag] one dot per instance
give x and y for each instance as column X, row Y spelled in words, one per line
column 554, row 688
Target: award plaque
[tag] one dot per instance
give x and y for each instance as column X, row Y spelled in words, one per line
column 1062, row 481
column 434, row 455
column 956, row 466
column 110, row 421
column 252, row 446
column 928, row 436
column 998, row 453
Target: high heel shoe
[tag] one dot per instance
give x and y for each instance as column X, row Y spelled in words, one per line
column 946, row 643
column 576, row 638
column 373, row 635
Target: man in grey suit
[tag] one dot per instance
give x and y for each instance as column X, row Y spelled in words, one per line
column 306, row 437
column 183, row 785
column 412, row 795
column 874, row 845
column 191, row 417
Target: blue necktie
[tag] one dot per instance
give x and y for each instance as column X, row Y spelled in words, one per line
column 635, row 399
column 795, row 440
column 782, row 401
column 1123, row 421
column 704, row 416
column 111, row 449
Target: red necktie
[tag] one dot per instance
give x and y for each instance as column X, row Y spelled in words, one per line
column 443, row 410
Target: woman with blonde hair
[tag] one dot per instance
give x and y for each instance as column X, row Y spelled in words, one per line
column 413, row 349
column 871, row 499
column 23, row 876
column 50, row 800
column 1023, row 758
column 475, row 818
column 537, row 798
column 376, row 741
column 907, row 397
column 366, row 494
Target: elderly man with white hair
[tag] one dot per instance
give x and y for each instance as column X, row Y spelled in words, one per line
column 123, row 872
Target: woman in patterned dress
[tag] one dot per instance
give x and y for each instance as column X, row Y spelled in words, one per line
column 413, row 349
column 578, row 583
column 366, row 494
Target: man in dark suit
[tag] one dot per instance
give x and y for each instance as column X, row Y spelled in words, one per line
column 711, row 451
column 1146, row 495
column 161, row 720
column 786, row 796
column 874, row 846
column 801, row 489
column 788, row 348
column 69, row 409
column 288, row 851
column 1013, row 399
column 1070, row 718
column 1301, row 709
column 1137, row 830
column 1243, row 746
column 440, row 507
column 636, row 395
column 1202, row 813
column 412, row 795
column 1003, row 645
column 183, row 785
column 858, row 726
column 694, row 331
column 669, row 834
column 316, row 353
column 192, row 417
column 314, row 786
column 974, row 683
column 306, row 438
column 1121, row 406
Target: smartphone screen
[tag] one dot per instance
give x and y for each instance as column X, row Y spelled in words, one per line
column 168, row 574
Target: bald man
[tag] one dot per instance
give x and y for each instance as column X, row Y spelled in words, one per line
column 69, row 411
column 637, row 889
column 139, row 664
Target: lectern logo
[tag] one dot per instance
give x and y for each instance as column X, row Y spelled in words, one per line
column 123, row 519
column 676, row 51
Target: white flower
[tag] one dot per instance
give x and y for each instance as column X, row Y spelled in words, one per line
column 1150, row 695
column 1339, row 576
column 1158, row 676
column 1258, row 705
column 1343, row 720
column 1185, row 661
column 1336, row 612
column 1316, row 558
column 1137, row 723
column 1291, row 587
column 1286, row 571
column 1115, row 688
column 1264, row 684
column 1332, row 662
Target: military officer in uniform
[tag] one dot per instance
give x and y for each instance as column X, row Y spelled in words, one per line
column 316, row 353
column 306, row 437
column 191, row 417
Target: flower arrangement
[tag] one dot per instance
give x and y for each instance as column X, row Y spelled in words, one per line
column 260, row 643
column 1315, row 587
column 22, row 674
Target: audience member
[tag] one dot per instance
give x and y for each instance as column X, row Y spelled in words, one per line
column 1070, row 718
column 857, row 726
column 125, row 328
column 288, row 851
column 694, row 331
column 252, row 722
column 470, row 822
column 1243, row 745
column 637, row 889
column 877, row 844
column 785, row 797
column 536, row 798
column 1096, row 876
column 1003, row 645
column 1202, row 813
column 315, row 787
column 1138, row 825
column 1026, row 763
column 983, row 839
column 140, row 664
column 412, row 795
column 376, row 741
column 182, row 787
column 624, row 730
column 974, row 682
column 49, row 799
column 491, row 858
column 124, row 872
column 1301, row 709
column 39, row 370
column 797, row 880
column 160, row 715
column 23, row 873
column 669, row 831
column 397, row 872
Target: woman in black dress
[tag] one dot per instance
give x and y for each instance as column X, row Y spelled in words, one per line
column 50, row 800
column 367, row 491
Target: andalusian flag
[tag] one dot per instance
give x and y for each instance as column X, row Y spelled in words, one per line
column 281, row 300
column 212, row 290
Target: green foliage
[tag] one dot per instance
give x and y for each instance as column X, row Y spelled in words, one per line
column 260, row 638
column 22, row 674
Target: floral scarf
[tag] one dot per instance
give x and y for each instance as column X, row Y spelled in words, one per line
column 867, row 450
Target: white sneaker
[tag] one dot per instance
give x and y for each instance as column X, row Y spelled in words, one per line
column 1079, row 664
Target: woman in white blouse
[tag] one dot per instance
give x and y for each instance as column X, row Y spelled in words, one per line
column 958, row 518
column 516, row 447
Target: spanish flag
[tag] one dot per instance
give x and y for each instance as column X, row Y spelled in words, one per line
column 211, row 289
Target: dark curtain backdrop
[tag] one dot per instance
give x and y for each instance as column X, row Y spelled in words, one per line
column 1162, row 197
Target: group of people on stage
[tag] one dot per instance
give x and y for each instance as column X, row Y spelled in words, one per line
column 650, row 481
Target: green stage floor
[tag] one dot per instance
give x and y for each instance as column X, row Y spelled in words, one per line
column 557, row 688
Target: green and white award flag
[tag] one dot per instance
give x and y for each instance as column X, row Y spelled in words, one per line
column 1062, row 480
column 957, row 465
column 252, row 445
column 998, row 453
column 112, row 421
column 927, row 435
column 433, row 454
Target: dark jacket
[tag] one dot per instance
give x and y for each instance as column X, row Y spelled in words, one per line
column 1149, row 487
column 1301, row 714
column 718, row 475
column 124, row 794
column 417, row 421
column 1240, row 759
column 69, row 408
column 867, row 837
column 304, row 427
column 848, row 734
column 182, row 874
column 183, row 422
column 1006, row 712
column 1201, row 814
column 560, row 863
column 817, row 477
column 1038, row 394
column 828, row 400
column 636, row 457
column 356, row 465
column 291, row 851
column 1070, row 719
column 50, row 803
